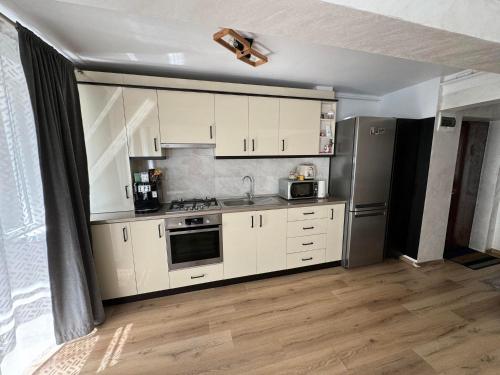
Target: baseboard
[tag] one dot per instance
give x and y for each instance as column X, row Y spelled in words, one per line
column 494, row 252
column 430, row 262
column 409, row 260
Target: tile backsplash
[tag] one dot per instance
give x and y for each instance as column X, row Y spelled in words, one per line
column 196, row 173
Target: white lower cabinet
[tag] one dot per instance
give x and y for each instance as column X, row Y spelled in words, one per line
column 196, row 275
column 298, row 244
column 114, row 260
column 150, row 255
column 130, row 258
column 335, row 232
column 271, row 241
column 239, row 239
column 305, row 258
column 254, row 242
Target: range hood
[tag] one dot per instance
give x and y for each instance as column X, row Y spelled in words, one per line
column 187, row 145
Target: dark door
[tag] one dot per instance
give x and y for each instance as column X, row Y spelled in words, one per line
column 412, row 153
column 465, row 184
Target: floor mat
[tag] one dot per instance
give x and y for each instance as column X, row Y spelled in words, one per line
column 471, row 258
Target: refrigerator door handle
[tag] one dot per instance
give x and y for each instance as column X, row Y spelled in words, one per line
column 366, row 214
column 370, row 206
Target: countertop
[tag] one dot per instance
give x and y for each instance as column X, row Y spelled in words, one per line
column 125, row 216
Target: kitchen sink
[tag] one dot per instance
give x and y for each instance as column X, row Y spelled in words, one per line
column 237, row 202
column 257, row 201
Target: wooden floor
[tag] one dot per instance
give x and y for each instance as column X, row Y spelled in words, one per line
column 385, row 319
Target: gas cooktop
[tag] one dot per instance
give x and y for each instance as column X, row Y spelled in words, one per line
column 197, row 204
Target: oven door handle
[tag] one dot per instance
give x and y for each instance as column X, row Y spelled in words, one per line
column 180, row 232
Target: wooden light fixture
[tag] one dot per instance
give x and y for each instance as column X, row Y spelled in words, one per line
column 240, row 46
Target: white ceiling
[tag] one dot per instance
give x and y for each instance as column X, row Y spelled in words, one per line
column 106, row 35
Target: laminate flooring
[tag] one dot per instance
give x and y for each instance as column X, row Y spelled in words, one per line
column 390, row 318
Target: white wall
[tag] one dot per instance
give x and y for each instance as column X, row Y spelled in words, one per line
column 350, row 105
column 417, row 101
column 485, row 233
column 438, row 193
column 457, row 96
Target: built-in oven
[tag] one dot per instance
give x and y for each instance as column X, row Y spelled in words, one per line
column 193, row 240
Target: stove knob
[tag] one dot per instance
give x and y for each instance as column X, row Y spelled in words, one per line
column 180, row 224
column 208, row 221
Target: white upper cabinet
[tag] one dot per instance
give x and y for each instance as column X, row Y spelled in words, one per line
column 263, row 125
column 231, row 121
column 186, row 117
column 150, row 255
column 271, row 240
column 114, row 260
column 299, row 127
column 107, row 151
column 142, row 122
column 335, row 232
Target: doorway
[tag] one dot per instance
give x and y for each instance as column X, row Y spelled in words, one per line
column 471, row 147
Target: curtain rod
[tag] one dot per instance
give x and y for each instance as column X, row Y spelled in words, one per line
column 7, row 19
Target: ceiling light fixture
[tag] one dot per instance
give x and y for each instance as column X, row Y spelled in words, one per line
column 240, row 46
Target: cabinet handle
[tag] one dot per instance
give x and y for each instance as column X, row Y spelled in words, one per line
column 211, row 133
column 260, row 218
column 306, row 228
column 253, row 144
column 159, row 230
column 332, row 214
column 197, row 277
column 308, row 243
column 306, row 259
column 125, row 234
column 126, row 192
column 282, row 145
column 308, row 213
column 252, row 221
column 156, row 144
column 245, row 145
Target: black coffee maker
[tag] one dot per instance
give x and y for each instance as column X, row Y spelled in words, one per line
column 146, row 191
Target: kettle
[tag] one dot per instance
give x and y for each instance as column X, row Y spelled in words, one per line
column 308, row 170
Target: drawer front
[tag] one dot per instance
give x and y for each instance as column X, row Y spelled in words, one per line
column 298, row 244
column 305, row 258
column 196, row 275
column 307, row 227
column 307, row 213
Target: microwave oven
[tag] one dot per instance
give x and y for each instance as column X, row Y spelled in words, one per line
column 295, row 189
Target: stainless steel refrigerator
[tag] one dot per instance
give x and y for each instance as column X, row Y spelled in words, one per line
column 360, row 173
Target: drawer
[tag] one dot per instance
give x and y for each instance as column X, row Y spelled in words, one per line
column 297, row 244
column 305, row 258
column 306, row 227
column 307, row 213
column 196, row 275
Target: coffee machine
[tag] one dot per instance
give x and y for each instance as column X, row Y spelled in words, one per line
column 146, row 191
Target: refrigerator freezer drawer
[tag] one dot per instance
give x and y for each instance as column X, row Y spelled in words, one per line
column 365, row 238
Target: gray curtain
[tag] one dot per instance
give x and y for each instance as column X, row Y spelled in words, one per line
column 76, row 300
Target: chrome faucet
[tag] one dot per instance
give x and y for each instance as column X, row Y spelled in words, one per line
column 251, row 193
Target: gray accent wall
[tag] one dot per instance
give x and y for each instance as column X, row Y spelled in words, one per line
column 195, row 172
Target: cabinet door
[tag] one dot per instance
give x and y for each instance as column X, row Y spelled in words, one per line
column 239, row 234
column 299, row 127
column 186, row 117
column 231, row 121
column 335, row 232
column 114, row 260
column 263, row 125
column 142, row 122
column 271, row 240
column 107, row 151
column 150, row 255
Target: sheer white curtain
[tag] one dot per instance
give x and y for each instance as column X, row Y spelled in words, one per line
column 26, row 326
